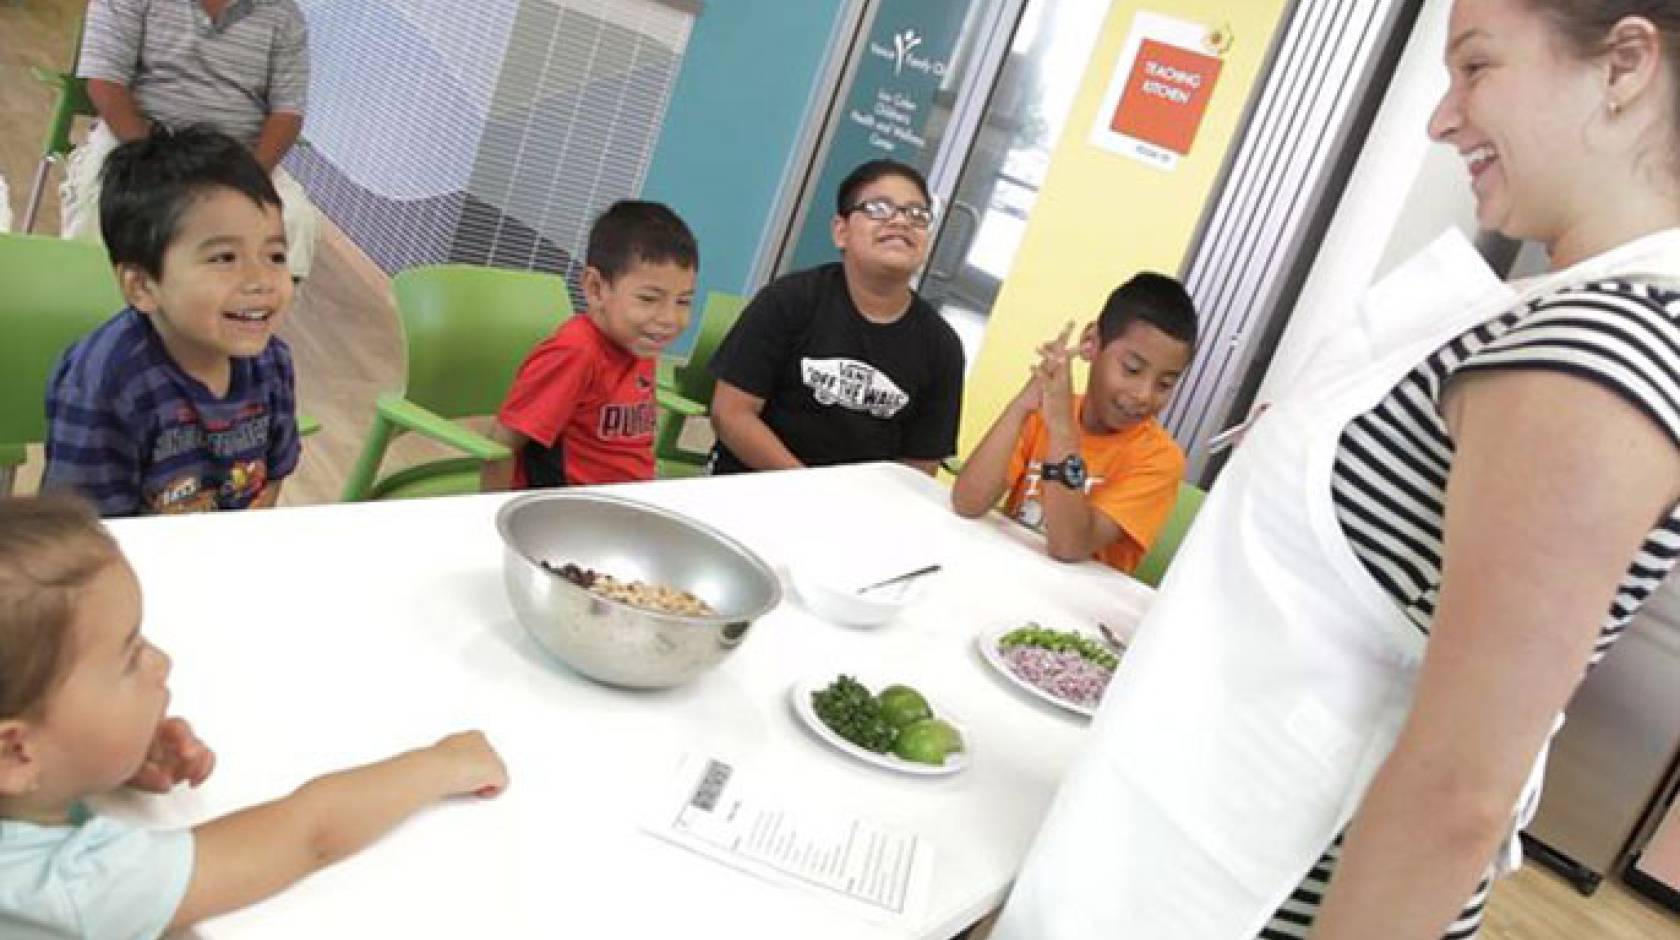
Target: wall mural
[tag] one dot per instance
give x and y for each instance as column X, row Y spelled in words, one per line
column 490, row 139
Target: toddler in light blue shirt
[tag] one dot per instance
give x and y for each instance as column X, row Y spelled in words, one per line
column 83, row 701
column 90, row 877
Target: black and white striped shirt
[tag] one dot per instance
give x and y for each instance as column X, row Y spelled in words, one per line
column 1391, row 469
column 1390, row 476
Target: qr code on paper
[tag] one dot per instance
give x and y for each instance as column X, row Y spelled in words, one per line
column 711, row 785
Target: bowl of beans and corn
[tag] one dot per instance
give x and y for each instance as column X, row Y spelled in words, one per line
column 627, row 593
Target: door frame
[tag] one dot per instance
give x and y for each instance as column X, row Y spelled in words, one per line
column 823, row 120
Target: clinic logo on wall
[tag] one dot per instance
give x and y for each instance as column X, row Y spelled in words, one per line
column 902, row 54
column 902, row 44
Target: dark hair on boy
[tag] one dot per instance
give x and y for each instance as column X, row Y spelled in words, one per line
column 1155, row 299
column 149, row 183
column 50, row 548
column 632, row 231
column 845, row 198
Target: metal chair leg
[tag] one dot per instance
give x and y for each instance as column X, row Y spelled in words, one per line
column 35, row 193
column 8, row 476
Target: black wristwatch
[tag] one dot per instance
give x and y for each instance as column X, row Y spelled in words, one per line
column 1070, row 472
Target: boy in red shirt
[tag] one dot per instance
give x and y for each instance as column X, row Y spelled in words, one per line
column 581, row 410
column 1095, row 472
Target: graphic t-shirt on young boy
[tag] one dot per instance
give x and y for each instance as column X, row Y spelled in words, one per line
column 587, row 406
column 134, row 433
column 838, row 388
column 1132, row 478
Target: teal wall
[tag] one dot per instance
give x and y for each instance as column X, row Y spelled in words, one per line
column 888, row 106
column 734, row 118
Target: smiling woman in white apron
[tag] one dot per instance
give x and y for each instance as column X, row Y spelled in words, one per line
column 1407, row 568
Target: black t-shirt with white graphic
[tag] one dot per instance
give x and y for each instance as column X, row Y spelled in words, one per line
column 838, row 388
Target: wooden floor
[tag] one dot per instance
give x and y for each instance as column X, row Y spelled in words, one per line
column 32, row 33
column 344, row 337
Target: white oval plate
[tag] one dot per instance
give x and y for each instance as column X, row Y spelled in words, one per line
column 799, row 696
column 988, row 644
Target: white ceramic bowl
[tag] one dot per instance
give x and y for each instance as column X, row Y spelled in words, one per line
column 824, row 595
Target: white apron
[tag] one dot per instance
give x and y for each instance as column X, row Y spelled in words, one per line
column 1271, row 676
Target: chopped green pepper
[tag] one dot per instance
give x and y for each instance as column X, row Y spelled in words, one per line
column 1061, row 641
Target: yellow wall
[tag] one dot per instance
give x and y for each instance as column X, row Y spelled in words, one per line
column 1100, row 216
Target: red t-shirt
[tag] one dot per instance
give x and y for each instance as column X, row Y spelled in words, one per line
column 587, row 406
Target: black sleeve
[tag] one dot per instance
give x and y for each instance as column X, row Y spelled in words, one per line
column 931, row 433
column 754, row 353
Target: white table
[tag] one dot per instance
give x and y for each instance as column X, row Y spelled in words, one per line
column 308, row 639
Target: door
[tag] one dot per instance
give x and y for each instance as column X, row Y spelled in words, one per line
column 986, row 217
column 915, row 80
column 972, row 92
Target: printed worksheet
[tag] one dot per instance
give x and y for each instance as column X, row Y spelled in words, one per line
column 879, row 873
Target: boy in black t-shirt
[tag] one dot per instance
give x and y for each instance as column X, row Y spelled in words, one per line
column 843, row 363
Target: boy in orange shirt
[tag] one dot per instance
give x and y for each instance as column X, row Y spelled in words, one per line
column 581, row 410
column 1095, row 472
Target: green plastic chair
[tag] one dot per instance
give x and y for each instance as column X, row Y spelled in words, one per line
column 1153, row 567
column 73, row 102
column 467, row 329
column 55, row 291
column 685, row 389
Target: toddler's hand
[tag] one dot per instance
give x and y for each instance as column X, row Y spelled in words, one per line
column 470, row 765
column 176, row 755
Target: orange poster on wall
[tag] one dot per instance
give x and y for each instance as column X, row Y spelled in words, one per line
column 1160, row 89
column 1166, row 95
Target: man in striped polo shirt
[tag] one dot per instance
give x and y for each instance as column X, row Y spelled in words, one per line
column 241, row 66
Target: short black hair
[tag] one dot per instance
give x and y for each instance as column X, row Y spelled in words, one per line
column 846, row 196
column 632, row 230
column 147, row 185
column 1155, row 299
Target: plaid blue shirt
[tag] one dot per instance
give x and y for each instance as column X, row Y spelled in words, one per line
column 128, row 429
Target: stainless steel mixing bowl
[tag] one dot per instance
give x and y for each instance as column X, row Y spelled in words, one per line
column 611, row 641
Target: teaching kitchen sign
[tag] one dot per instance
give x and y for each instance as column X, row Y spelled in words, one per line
column 1160, row 90
column 903, row 76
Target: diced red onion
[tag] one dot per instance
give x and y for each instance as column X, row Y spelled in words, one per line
column 1066, row 675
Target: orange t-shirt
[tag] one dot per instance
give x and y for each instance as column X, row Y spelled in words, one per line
column 1132, row 478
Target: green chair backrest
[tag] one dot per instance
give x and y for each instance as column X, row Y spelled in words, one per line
column 72, row 100
column 52, row 292
column 693, row 379
column 468, row 328
column 1153, row 567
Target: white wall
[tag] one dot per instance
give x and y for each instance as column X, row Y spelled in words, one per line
column 1404, row 191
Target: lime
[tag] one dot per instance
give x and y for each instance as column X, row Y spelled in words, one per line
column 927, row 741
column 901, row 705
